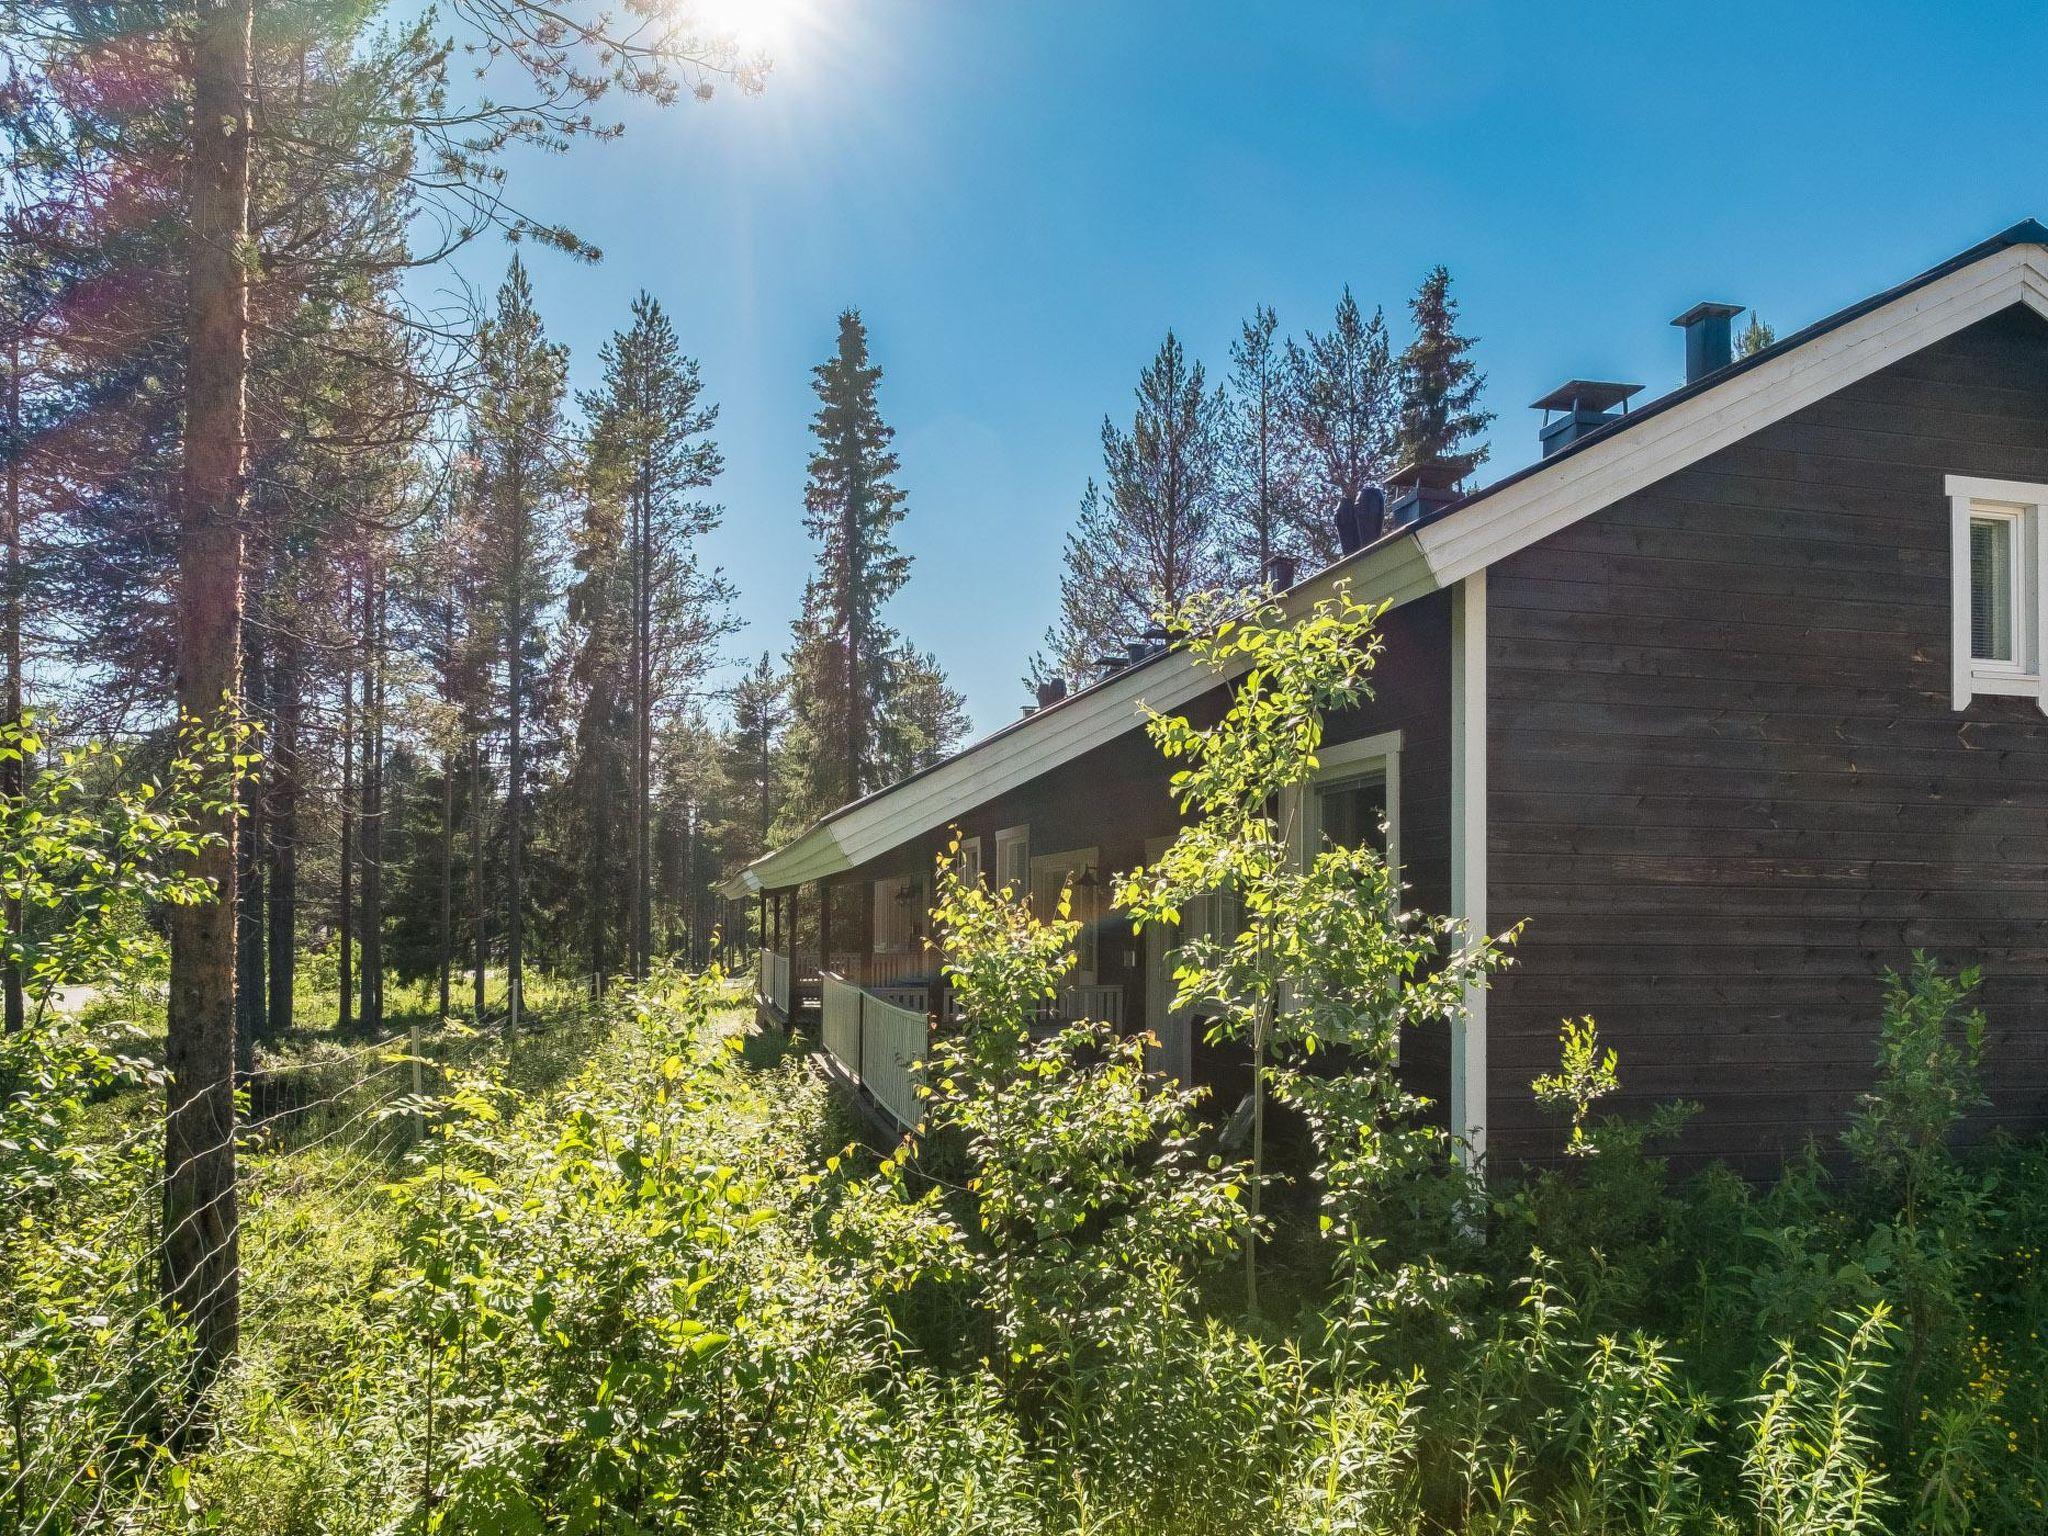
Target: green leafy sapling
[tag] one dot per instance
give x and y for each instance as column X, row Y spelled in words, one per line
column 1585, row 1075
column 1087, row 1187
column 1324, row 955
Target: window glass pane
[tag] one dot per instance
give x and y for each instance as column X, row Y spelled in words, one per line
column 1991, row 567
column 1351, row 813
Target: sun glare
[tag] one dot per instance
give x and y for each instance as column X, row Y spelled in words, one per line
column 756, row 26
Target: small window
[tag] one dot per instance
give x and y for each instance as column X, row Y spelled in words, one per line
column 1351, row 812
column 1013, row 860
column 1354, row 799
column 1996, row 558
column 968, row 865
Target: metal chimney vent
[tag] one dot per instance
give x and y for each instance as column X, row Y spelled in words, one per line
column 1709, row 344
column 1361, row 519
column 1579, row 406
column 1420, row 489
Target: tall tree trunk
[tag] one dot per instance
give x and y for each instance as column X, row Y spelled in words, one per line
column 373, row 798
column 597, row 910
column 643, row 729
column 201, row 1244
column 476, row 877
column 281, row 829
column 346, row 916
column 515, row 766
column 12, row 1003
column 249, row 893
column 856, row 690
column 447, row 877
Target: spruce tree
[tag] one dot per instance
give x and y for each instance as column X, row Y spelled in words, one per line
column 1343, row 401
column 515, row 444
column 1440, row 416
column 1148, row 536
column 760, row 711
column 839, row 665
column 927, row 716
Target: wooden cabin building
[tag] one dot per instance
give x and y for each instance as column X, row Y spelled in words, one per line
column 1734, row 699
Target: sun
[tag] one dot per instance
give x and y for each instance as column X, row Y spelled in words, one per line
column 755, row 26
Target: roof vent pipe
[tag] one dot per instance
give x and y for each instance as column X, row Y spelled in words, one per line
column 1420, row 489
column 1360, row 519
column 1709, row 343
column 1586, row 406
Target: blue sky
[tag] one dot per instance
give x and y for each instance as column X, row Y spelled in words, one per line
column 1023, row 195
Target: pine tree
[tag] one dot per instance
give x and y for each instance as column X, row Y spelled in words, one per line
column 1261, row 471
column 650, row 450
column 1148, row 537
column 839, row 663
column 515, row 441
column 1343, row 402
column 1440, row 416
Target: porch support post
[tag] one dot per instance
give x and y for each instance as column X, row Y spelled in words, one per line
column 824, row 929
column 1468, row 850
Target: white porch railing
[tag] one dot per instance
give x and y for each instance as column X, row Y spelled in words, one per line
column 875, row 1043
column 764, row 975
column 912, row 997
column 1101, row 1003
column 840, row 1023
column 778, row 982
column 892, row 1040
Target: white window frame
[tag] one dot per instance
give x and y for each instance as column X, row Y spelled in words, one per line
column 1007, row 838
column 967, row 863
column 1068, row 867
column 1345, row 760
column 2026, row 506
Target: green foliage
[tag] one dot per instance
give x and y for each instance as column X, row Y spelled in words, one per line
column 638, row 1281
column 1084, row 1180
column 1584, row 1077
column 1326, row 957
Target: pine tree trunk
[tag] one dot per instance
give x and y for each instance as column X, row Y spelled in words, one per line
column 346, row 917
column 12, row 1002
column 594, row 906
column 515, row 772
column 281, row 828
column 373, row 801
column 447, row 935
column 643, row 732
column 476, row 879
column 201, row 1242
column 250, row 916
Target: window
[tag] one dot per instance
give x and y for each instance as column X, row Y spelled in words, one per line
column 1013, row 859
column 1996, row 554
column 901, row 913
column 1993, row 571
column 1074, row 872
column 1354, row 800
column 968, row 864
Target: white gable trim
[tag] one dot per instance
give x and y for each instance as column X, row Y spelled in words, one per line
column 1520, row 514
column 1437, row 555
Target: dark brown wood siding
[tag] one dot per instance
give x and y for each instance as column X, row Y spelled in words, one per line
column 1114, row 799
column 1727, row 787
